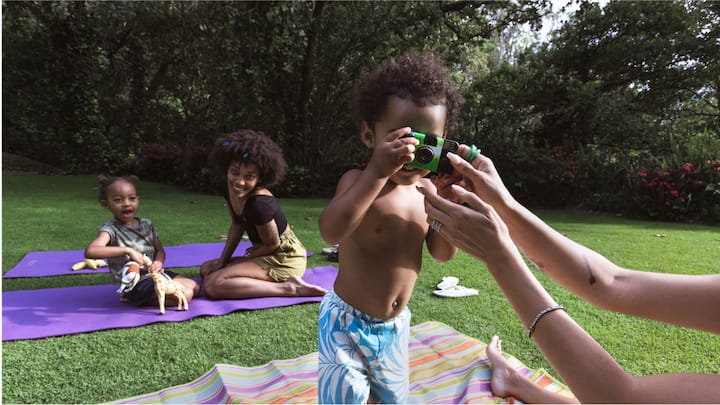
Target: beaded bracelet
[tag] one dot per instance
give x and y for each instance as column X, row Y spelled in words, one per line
column 540, row 314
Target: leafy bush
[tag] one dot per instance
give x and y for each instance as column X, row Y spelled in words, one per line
column 159, row 162
column 194, row 172
column 688, row 192
column 299, row 182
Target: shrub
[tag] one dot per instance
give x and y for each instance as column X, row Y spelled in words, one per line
column 194, row 172
column 299, row 182
column 688, row 192
column 159, row 162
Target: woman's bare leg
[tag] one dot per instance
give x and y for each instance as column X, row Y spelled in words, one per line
column 248, row 280
column 507, row 381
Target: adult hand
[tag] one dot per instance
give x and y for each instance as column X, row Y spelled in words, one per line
column 474, row 227
column 393, row 151
column 209, row 267
column 482, row 177
column 443, row 182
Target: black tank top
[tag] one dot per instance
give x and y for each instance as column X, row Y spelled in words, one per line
column 259, row 210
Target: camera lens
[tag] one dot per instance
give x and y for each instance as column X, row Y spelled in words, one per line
column 424, row 155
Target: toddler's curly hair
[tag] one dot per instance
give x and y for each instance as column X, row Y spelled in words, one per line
column 106, row 181
column 251, row 146
column 419, row 77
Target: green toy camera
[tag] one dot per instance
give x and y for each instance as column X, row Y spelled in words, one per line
column 431, row 153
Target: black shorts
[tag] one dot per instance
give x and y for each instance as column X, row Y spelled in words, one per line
column 144, row 291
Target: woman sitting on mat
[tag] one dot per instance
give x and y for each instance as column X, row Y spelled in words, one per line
column 489, row 228
column 274, row 264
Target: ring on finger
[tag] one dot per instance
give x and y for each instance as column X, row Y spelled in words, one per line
column 436, row 225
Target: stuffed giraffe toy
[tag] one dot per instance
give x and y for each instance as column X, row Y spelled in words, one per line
column 165, row 285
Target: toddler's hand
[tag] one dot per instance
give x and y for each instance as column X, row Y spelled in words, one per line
column 444, row 181
column 393, row 151
column 156, row 266
column 137, row 257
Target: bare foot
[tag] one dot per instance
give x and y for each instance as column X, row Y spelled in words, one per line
column 502, row 372
column 303, row 289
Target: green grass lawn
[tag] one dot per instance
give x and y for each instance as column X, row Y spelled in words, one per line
column 62, row 213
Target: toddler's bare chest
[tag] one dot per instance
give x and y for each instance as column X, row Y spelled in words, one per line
column 393, row 219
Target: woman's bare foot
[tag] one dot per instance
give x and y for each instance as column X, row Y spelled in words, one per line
column 303, row 289
column 502, row 372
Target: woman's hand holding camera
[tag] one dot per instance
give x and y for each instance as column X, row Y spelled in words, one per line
column 479, row 177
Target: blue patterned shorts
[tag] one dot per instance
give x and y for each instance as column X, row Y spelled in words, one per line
column 361, row 357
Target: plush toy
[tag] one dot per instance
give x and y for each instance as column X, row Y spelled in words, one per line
column 165, row 285
column 91, row 264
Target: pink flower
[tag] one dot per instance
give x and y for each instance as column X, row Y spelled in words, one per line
column 642, row 173
column 558, row 153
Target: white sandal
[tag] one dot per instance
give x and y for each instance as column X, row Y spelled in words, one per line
column 447, row 282
column 456, row 291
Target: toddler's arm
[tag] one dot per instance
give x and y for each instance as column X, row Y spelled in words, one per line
column 99, row 249
column 357, row 189
column 159, row 259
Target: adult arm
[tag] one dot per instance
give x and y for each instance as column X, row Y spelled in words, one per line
column 234, row 237
column 590, row 372
column 440, row 249
column 687, row 300
column 270, row 240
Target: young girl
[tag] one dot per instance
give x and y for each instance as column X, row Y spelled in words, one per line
column 128, row 243
column 274, row 263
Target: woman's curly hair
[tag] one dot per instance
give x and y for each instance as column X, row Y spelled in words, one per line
column 250, row 146
column 419, row 77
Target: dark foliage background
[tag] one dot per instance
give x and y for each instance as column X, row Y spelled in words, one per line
column 617, row 111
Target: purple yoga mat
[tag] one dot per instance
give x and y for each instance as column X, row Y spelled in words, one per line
column 59, row 262
column 33, row 314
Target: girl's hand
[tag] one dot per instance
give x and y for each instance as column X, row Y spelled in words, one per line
column 156, row 266
column 136, row 256
column 393, row 151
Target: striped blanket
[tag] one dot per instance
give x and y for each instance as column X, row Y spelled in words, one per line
column 445, row 367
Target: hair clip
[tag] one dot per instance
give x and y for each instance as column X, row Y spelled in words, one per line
column 245, row 155
column 225, row 144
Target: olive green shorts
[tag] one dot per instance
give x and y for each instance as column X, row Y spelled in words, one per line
column 289, row 260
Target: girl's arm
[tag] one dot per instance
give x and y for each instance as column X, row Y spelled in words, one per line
column 357, row 189
column 157, row 264
column 98, row 249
